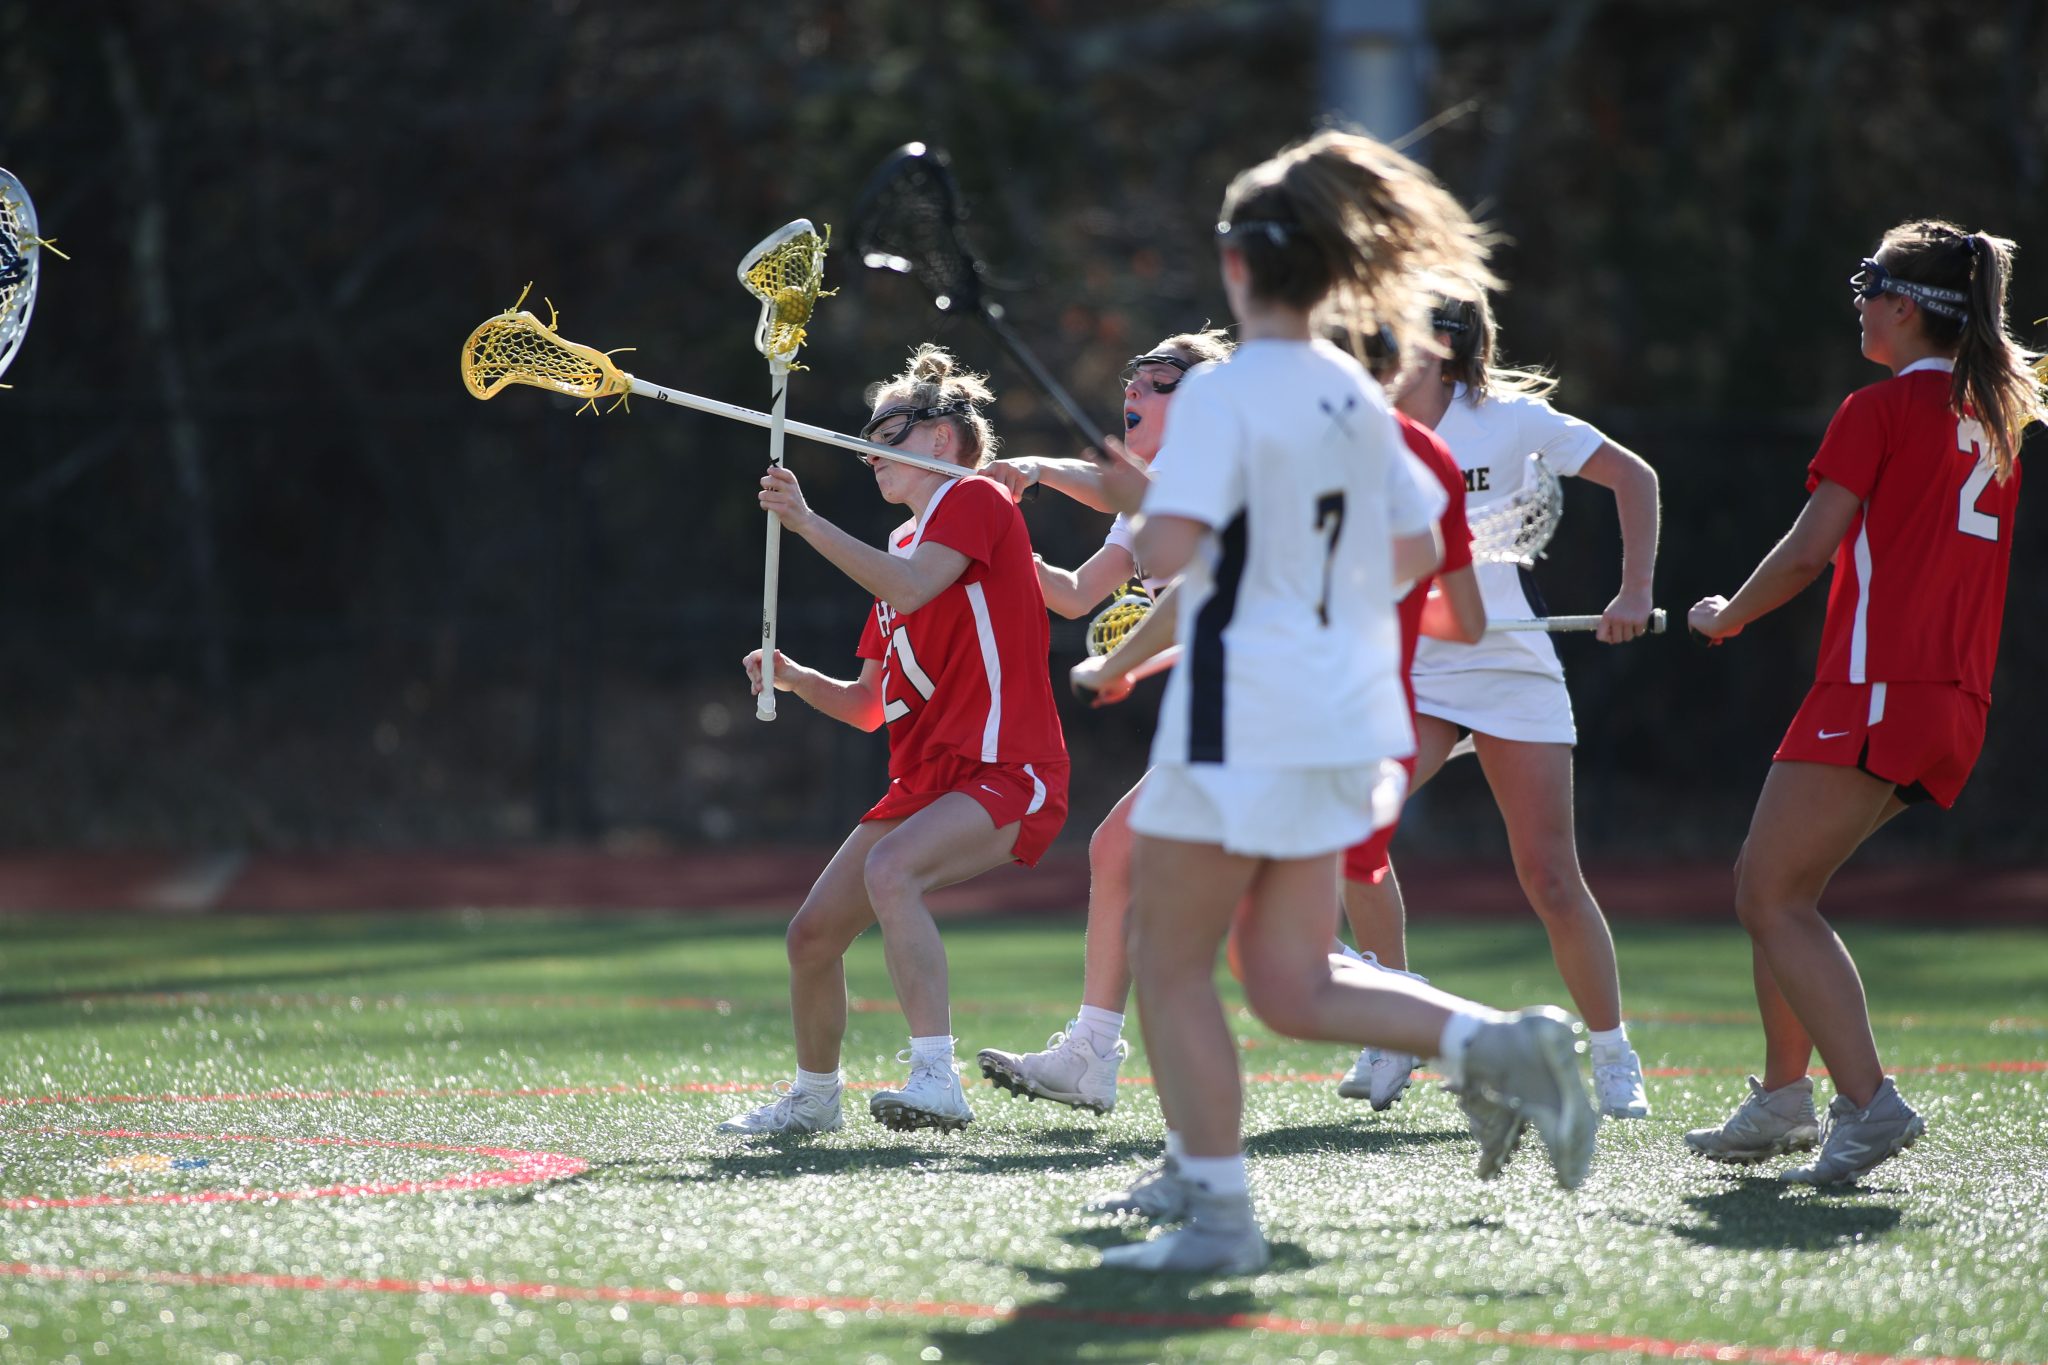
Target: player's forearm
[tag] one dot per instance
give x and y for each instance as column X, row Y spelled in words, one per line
column 1063, row 591
column 852, row 701
column 1080, row 480
column 891, row 578
column 1455, row 610
column 1784, row 573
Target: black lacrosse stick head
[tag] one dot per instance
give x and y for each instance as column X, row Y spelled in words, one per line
column 910, row 220
column 13, row 264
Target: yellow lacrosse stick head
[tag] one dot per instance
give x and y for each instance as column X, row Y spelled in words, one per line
column 516, row 347
column 785, row 270
column 1108, row 627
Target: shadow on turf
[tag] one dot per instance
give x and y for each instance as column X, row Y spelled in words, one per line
column 1760, row 1214
column 1115, row 1316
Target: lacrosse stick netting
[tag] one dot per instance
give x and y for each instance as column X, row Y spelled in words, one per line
column 1516, row 529
column 784, row 271
column 20, row 249
column 1108, row 627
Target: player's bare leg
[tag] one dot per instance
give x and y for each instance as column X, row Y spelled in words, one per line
column 1532, row 785
column 833, row 915
column 1809, row 819
column 948, row 841
column 1078, row 1065
column 1375, row 911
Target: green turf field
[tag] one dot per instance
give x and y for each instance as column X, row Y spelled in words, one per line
column 488, row 1137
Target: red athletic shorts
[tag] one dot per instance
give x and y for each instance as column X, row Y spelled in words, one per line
column 1366, row 861
column 1032, row 796
column 1921, row 737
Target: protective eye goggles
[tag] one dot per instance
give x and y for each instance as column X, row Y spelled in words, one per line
column 891, row 425
column 1137, row 363
column 1274, row 232
column 1451, row 320
column 1872, row 279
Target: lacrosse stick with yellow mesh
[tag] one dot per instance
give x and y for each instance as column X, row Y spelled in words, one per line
column 516, row 347
column 1108, row 627
column 783, row 271
column 20, row 250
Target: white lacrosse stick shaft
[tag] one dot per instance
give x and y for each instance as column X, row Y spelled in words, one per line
column 771, row 566
column 1559, row 624
column 640, row 388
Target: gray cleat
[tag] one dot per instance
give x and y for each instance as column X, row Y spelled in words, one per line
column 1221, row 1237
column 1768, row 1123
column 1529, row 1063
column 1496, row 1128
column 1159, row 1193
column 1859, row 1138
column 791, row 1113
column 1069, row 1071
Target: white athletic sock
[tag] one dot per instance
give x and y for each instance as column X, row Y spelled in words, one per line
column 1608, row 1040
column 1457, row 1036
column 1216, row 1174
column 823, row 1084
column 1175, row 1148
column 1102, row 1028
column 934, row 1049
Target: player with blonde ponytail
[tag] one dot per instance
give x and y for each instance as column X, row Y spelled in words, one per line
column 954, row 665
column 1288, row 504
column 1912, row 496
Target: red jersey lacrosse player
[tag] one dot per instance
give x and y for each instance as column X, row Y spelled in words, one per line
column 954, row 664
column 1912, row 493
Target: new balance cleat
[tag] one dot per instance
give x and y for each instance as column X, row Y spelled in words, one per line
column 792, row 1113
column 1496, row 1127
column 1221, row 1237
column 931, row 1098
column 1159, row 1193
column 1529, row 1063
column 1069, row 1071
column 1618, row 1082
column 1766, row 1124
column 1858, row 1138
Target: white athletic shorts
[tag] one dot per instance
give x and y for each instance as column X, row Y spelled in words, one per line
column 1532, row 707
column 1269, row 812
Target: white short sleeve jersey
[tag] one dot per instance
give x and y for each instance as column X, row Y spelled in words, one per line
column 1121, row 537
column 1287, row 452
column 1492, row 440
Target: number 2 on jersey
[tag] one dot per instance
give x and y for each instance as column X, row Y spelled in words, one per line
column 1329, row 521
column 1971, row 522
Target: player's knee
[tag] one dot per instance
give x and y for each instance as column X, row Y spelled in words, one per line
column 892, row 878
column 1553, row 886
column 808, row 941
column 1282, row 999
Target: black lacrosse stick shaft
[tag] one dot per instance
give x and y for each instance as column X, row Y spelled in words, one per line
column 992, row 316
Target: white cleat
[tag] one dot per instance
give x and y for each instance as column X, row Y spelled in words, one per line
column 1528, row 1063
column 1618, row 1081
column 1381, row 1077
column 791, row 1113
column 1069, row 1071
column 1221, row 1237
column 931, row 1098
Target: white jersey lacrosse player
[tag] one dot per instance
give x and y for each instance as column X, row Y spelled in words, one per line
column 1510, row 684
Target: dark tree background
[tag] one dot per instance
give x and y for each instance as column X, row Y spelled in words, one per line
column 271, row 578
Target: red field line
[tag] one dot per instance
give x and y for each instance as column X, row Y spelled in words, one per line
column 2027, row 1066
column 526, row 1168
column 1429, row 1334
column 722, row 1005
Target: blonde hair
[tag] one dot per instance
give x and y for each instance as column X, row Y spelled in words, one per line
column 932, row 379
column 1474, row 360
column 1996, row 378
column 1343, row 226
column 1197, row 348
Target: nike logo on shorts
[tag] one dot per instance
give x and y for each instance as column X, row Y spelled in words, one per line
column 1836, row 735
column 990, row 790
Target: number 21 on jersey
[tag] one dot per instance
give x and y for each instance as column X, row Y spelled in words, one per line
column 899, row 661
column 1970, row 521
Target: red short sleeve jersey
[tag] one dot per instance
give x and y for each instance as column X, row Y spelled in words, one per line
column 1919, row 587
column 966, row 674
column 1430, row 449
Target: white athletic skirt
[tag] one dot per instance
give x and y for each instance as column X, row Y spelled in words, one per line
column 1531, row 707
column 1269, row 812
